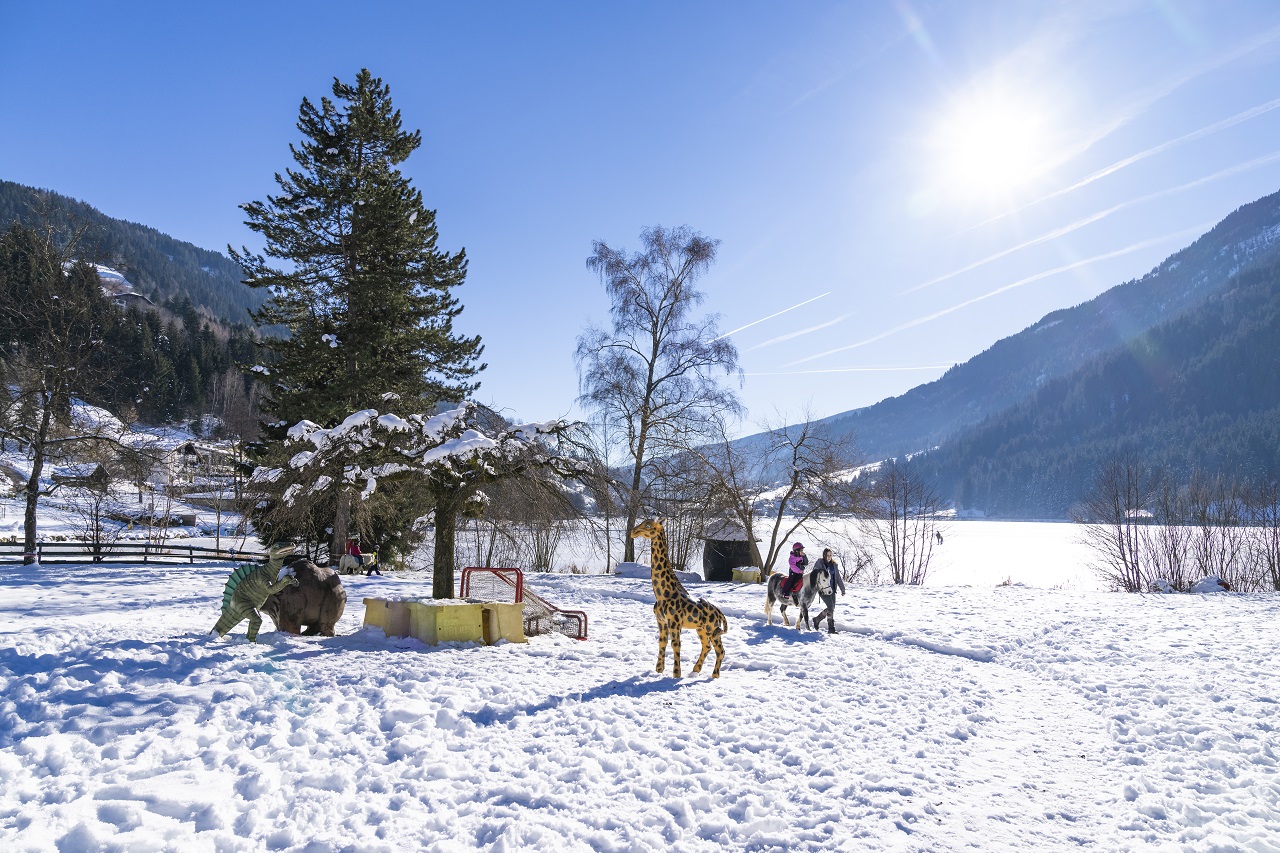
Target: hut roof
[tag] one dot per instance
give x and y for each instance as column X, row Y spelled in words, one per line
column 725, row 530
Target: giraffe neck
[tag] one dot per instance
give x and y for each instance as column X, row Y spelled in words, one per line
column 665, row 582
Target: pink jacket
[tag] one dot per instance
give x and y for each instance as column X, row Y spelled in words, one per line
column 797, row 561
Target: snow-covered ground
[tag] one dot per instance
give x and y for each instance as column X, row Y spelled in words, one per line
column 938, row 718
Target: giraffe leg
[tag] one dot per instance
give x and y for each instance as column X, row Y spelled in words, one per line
column 705, row 637
column 675, row 651
column 719, row 647
column 662, row 648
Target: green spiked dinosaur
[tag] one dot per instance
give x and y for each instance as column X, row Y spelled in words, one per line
column 249, row 587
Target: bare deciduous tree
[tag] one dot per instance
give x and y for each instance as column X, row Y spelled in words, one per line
column 1264, row 534
column 51, row 346
column 906, row 523
column 1113, row 516
column 1215, row 508
column 796, row 474
column 1166, row 542
column 651, row 372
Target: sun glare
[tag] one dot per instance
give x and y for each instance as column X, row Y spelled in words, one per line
column 991, row 144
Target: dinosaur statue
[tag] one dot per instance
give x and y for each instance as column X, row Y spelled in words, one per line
column 249, row 587
column 317, row 601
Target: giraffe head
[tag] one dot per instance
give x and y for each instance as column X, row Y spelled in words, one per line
column 649, row 529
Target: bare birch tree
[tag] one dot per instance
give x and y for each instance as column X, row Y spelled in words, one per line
column 651, row 373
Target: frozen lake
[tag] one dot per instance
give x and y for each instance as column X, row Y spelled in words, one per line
column 1040, row 554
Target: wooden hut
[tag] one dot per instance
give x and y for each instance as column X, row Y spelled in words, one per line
column 726, row 548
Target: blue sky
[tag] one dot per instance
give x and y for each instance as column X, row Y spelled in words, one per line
column 896, row 185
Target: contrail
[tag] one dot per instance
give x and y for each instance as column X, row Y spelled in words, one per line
column 791, row 335
column 920, row 321
column 1136, row 158
column 1052, row 235
column 770, row 317
column 1102, row 214
column 849, row 370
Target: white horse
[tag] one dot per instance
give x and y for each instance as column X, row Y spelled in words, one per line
column 802, row 596
column 349, row 565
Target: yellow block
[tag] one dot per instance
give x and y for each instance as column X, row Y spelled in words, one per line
column 393, row 617
column 435, row 623
column 746, row 575
column 503, row 622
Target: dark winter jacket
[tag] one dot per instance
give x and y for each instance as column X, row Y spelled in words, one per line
column 832, row 568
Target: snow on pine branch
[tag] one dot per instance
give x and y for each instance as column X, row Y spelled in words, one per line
column 449, row 446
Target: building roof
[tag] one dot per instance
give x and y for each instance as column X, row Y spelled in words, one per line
column 725, row 530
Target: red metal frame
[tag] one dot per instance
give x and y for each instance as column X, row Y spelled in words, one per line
column 464, row 590
column 578, row 617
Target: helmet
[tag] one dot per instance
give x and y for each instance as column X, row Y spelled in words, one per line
column 797, row 547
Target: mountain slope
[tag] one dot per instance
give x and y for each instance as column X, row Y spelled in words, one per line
column 1200, row 391
column 1014, row 368
column 162, row 268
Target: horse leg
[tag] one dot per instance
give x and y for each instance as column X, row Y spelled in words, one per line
column 782, row 608
column 706, row 647
column 768, row 609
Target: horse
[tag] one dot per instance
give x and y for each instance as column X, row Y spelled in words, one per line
column 801, row 597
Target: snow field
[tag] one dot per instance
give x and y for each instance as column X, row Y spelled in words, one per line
column 937, row 719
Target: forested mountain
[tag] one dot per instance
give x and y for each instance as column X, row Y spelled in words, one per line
column 162, row 268
column 1013, row 369
column 1198, row 392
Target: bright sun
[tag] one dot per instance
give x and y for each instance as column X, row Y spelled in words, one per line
column 990, row 144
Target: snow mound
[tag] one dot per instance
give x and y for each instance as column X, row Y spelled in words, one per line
column 1210, row 583
column 643, row 572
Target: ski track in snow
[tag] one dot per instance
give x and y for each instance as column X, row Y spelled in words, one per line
column 937, row 719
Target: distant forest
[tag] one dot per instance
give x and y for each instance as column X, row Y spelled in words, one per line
column 163, row 269
column 179, row 358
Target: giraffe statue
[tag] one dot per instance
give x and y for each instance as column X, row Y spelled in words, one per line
column 675, row 611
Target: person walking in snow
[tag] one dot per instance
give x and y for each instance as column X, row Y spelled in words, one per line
column 826, row 577
column 371, row 564
column 797, row 562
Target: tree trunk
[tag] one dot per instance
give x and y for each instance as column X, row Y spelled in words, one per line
column 29, row 518
column 442, row 560
column 341, row 527
column 33, row 486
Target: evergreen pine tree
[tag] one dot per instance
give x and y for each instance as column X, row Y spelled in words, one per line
column 365, row 295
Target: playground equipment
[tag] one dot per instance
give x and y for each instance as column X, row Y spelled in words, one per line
column 454, row 621
column 507, row 585
column 493, row 605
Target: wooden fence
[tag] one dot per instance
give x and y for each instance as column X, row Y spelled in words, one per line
column 67, row 553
